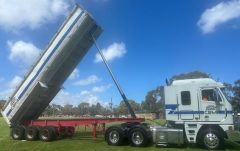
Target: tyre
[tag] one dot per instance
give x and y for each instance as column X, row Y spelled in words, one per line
column 62, row 131
column 46, row 134
column 211, row 139
column 31, row 133
column 55, row 131
column 69, row 131
column 139, row 137
column 17, row 132
column 115, row 136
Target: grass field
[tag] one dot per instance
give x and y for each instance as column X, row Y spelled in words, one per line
column 79, row 143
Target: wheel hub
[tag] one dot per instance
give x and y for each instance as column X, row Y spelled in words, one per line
column 211, row 140
column 45, row 134
column 114, row 137
column 30, row 134
column 16, row 133
column 137, row 138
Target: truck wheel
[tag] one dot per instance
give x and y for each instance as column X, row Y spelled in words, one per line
column 17, row 133
column 114, row 136
column 31, row 133
column 211, row 139
column 46, row 134
column 138, row 137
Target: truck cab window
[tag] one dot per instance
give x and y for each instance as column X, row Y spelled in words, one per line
column 211, row 95
column 186, row 98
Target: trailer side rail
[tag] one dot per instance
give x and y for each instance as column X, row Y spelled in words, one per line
column 93, row 122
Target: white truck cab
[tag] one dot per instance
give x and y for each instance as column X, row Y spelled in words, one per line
column 201, row 108
column 197, row 100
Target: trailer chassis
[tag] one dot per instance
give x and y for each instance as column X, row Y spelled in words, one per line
column 49, row 129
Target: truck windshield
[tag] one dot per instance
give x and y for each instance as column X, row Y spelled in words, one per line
column 226, row 93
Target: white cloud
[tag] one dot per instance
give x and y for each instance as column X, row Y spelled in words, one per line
column 4, row 95
column 114, row 51
column 89, row 80
column 219, row 14
column 75, row 99
column 17, row 14
column 23, row 53
column 74, row 74
column 89, row 96
column 15, row 82
column 85, row 92
column 99, row 89
column 11, row 85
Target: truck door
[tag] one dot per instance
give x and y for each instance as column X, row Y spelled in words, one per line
column 187, row 104
column 212, row 105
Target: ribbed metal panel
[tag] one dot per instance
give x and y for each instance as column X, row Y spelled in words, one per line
column 62, row 55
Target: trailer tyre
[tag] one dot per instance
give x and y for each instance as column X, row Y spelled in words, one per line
column 31, row 133
column 46, row 134
column 17, row 132
column 70, row 130
column 211, row 139
column 114, row 136
column 55, row 131
column 139, row 137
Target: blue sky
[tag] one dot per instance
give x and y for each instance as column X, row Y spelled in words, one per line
column 144, row 41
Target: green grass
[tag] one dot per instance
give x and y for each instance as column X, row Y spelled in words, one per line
column 80, row 143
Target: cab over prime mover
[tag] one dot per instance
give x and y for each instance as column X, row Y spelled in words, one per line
column 197, row 110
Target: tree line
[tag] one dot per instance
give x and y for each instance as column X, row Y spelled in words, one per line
column 153, row 102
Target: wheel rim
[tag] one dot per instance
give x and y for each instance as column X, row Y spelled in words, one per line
column 30, row 134
column 114, row 137
column 45, row 134
column 16, row 133
column 211, row 140
column 137, row 138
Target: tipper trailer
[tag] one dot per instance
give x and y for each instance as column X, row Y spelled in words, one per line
column 67, row 48
column 45, row 79
column 197, row 110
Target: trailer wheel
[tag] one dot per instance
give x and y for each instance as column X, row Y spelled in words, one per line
column 69, row 131
column 17, row 132
column 114, row 136
column 31, row 133
column 46, row 134
column 55, row 131
column 211, row 139
column 139, row 137
column 62, row 131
